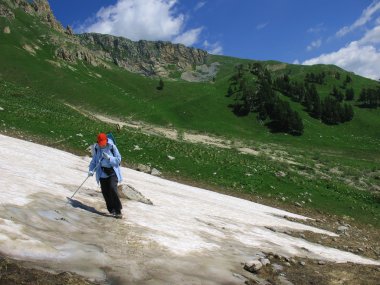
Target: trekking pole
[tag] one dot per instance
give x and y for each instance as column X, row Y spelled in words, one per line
column 85, row 180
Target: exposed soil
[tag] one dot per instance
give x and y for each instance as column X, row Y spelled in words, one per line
column 310, row 272
column 13, row 272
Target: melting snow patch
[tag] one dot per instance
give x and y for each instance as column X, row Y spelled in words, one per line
column 186, row 230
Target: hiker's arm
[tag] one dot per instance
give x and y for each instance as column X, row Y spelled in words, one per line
column 116, row 159
column 92, row 163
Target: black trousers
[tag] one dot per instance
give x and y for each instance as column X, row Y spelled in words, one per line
column 109, row 191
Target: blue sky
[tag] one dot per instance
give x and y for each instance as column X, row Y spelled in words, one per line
column 341, row 32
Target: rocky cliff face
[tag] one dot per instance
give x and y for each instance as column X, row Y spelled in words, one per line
column 149, row 58
column 40, row 8
column 146, row 57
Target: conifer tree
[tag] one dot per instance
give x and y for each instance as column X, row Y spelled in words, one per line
column 160, row 85
column 350, row 94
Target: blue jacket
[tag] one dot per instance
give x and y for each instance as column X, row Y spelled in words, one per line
column 114, row 161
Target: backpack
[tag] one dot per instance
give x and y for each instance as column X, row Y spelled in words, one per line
column 111, row 137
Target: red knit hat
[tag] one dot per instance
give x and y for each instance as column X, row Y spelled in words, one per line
column 102, row 139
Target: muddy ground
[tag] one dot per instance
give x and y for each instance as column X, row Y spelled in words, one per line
column 13, row 272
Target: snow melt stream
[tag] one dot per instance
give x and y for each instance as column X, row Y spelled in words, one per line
column 189, row 235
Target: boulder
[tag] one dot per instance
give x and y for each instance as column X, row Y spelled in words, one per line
column 143, row 168
column 128, row 192
column 342, row 229
column 253, row 266
column 155, row 172
column 7, row 30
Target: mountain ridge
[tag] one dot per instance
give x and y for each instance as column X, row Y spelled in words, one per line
column 149, row 58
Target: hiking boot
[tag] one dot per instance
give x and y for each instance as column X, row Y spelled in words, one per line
column 118, row 216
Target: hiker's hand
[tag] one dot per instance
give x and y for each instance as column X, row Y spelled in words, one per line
column 91, row 173
column 106, row 155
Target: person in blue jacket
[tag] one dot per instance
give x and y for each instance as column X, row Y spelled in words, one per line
column 105, row 163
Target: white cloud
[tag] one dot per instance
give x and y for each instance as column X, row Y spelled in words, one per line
column 213, row 48
column 261, row 26
column 314, row 45
column 148, row 20
column 361, row 59
column 365, row 17
column 199, row 5
column 371, row 36
column 317, row 29
column 188, row 38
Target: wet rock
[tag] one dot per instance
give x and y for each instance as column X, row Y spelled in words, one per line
column 253, row 266
column 264, row 261
column 303, row 263
column 130, row 193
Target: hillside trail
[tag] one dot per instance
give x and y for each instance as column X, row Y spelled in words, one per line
column 170, row 133
column 190, row 136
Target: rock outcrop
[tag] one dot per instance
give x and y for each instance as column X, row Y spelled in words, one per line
column 6, row 12
column 40, row 8
column 69, row 31
column 145, row 57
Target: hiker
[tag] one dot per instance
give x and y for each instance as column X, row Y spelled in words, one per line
column 108, row 172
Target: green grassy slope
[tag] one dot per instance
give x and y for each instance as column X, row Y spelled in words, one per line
column 27, row 114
